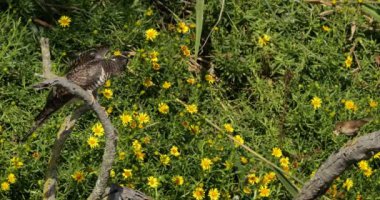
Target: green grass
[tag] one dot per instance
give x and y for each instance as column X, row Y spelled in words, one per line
column 251, row 92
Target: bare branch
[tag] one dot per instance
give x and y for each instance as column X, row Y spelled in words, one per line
column 361, row 148
column 63, row 134
column 46, row 61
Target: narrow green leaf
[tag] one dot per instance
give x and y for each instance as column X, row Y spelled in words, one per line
column 289, row 186
column 199, row 9
column 371, row 11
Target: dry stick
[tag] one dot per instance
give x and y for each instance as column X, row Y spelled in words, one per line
column 110, row 148
column 213, row 28
column 64, row 132
column 361, row 148
column 248, row 148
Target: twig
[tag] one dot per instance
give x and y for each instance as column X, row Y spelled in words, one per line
column 42, row 23
column 62, row 135
column 46, row 62
column 361, row 148
column 213, row 28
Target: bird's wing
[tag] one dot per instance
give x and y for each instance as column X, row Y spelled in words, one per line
column 87, row 56
column 90, row 75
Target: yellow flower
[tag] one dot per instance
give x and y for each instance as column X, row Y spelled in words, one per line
column 117, row 53
column 363, row 165
column 112, row 173
column 64, row 21
column 109, row 110
column 122, row 155
column 264, row 191
column 178, row 180
column 127, row 173
column 174, row 151
column 143, row 118
column 253, row 179
column 182, row 28
column 199, row 193
column 350, row 105
column 171, row 27
column 243, row 160
column 107, row 93
column 149, row 12
column 156, row 66
column 78, row 176
column 125, row 118
column 140, row 155
column 192, row 25
column 368, row 172
column 213, row 194
column 194, row 129
column 166, row 85
column 191, row 81
column 316, row 102
column 163, row 108
column 146, row 139
column 348, row 184
column 206, row 164
column 93, row 142
column 153, row 182
column 284, row 162
column 228, row 128
column 16, row 162
column 98, row 130
column 5, row 186
column 107, row 83
column 238, row 140
column 136, row 145
column 210, row 78
column 276, row 152
column 360, row 1
column 372, row 103
column 377, row 155
column 192, row 108
column 326, row 28
column 247, row 190
column 264, row 40
column 165, row 159
column 11, row 178
column 154, row 56
column 268, row 177
column 148, row 82
column 185, row 50
column 151, row 34
column 348, row 62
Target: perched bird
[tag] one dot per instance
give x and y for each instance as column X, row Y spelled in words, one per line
column 89, row 71
column 351, row 127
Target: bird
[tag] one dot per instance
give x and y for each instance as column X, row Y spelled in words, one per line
column 89, row 71
column 350, row 127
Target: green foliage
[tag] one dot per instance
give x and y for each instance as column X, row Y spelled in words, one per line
column 271, row 58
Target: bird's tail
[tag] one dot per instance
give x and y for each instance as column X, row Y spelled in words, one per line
column 39, row 120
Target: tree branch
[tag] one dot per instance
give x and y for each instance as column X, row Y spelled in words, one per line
column 361, row 148
column 62, row 135
column 46, row 61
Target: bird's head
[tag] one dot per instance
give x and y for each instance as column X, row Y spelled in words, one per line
column 122, row 60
